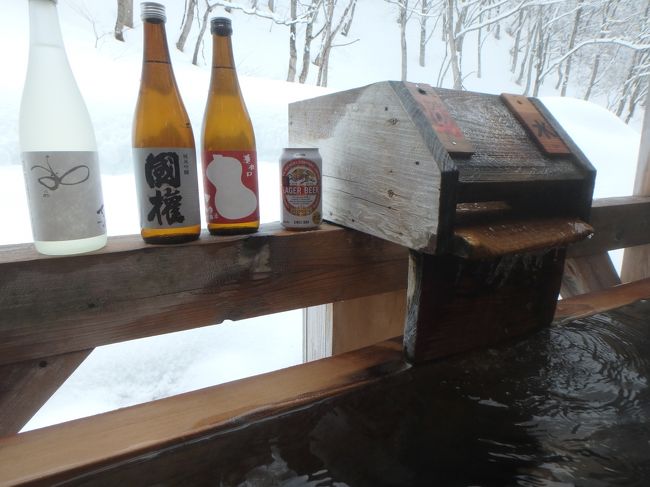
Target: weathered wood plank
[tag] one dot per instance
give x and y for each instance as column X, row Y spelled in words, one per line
column 590, row 304
column 455, row 305
column 379, row 170
column 588, row 274
column 504, row 237
column 352, row 324
column 26, row 386
column 636, row 261
column 118, row 439
column 317, row 332
column 535, row 124
column 128, row 290
column 361, row 322
column 618, row 223
column 435, row 111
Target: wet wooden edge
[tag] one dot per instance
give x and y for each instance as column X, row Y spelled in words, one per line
column 585, row 305
column 69, row 450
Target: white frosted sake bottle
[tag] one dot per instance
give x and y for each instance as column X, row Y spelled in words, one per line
column 58, row 146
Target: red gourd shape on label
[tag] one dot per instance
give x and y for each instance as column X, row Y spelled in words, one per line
column 232, row 199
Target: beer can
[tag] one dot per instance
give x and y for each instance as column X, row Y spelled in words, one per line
column 300, row 174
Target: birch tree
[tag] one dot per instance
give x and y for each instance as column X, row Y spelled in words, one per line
column 124, row 18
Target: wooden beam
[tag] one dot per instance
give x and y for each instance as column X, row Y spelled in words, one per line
column 51, row 306
column 590, row 304
column 26, row 386
column 352, row 324
column 588, row 274
column 144, row 435
column 455, row 305
column 361, row 322
column 618, row 223
column 636, row 261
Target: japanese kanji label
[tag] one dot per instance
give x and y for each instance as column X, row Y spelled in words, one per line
column 540, row 129
column 166, row 180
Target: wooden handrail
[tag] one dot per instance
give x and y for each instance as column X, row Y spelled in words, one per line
column 52, row 306
column 81, row 447
column 618, row 223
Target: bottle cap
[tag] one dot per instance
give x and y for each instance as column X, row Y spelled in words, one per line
column 222, row 26
column 152, row 11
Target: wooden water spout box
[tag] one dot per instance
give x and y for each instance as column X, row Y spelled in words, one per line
column 487, row 191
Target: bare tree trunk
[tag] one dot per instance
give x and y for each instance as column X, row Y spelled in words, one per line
column 346, row 27
column 515, row 49
column 271, row 5
column 532, row 31
column 306, row 52
column 423, row 31
column 479, row 42
column 293, row 53
column 199, row 39
column 124, row 18
column 572, row 43
column 627, row 85
column 403, row 17
column 186, row 27
column 329, row 34
column 451, row 43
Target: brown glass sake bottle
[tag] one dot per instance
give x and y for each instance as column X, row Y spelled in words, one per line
column 229, row 154
column 164, row 152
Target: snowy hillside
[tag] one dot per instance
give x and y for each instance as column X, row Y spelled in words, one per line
column 108, row 73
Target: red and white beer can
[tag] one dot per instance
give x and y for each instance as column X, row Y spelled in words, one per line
column 301, row 188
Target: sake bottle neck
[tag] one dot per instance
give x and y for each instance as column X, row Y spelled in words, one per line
column 222, row 55
column 155, row 42
column 44, row 28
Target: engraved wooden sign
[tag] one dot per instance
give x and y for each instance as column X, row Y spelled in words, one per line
column 443, row 124
column 540, row 129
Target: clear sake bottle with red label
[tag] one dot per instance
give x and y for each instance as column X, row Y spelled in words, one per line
column 229, row 153
column 164, row 152
column 58, row 145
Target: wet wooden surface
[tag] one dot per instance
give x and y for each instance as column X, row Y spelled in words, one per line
column 455, row 305
column 517, row 236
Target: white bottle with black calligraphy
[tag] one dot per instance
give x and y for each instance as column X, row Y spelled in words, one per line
column 58, row 145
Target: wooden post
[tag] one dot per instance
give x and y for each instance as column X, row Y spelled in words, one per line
column 455, row 304
column 636, row 260
column 352, row 324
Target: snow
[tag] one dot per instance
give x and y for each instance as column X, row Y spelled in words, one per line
column 108, row 75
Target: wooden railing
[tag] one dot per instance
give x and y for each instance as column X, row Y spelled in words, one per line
column 54, row 311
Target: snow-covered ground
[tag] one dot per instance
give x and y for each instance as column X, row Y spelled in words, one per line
column 108, row 74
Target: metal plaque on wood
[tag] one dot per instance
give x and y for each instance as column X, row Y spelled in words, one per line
column 537, row 126
column 442, row 122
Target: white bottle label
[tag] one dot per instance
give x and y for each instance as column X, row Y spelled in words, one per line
column 167, row 185
column 64, row 194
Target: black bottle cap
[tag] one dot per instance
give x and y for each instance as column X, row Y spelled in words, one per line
column 221, row 26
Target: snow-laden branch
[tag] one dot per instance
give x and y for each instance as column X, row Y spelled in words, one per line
column 305, row 17
column 617, row 42
column 522, row 4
